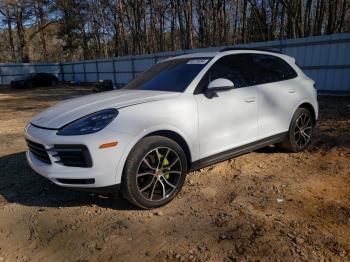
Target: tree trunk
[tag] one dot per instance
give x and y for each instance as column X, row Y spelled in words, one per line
column 173, row 25
column 41, row 23
column 244, row 21
column 8, row 18
column 181, row 25
column 342, row 16
column 189, row 24
column 23, row 45
column 235, row 23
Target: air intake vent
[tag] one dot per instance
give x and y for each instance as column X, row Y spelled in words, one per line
column 76, row 181
column 72, row 155
column 38, row 151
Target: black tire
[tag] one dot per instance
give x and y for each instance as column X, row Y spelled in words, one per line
column 143, row 167
column 53, row 82
column 300, row 131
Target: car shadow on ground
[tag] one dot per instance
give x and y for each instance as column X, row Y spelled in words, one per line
column 20, row 184
column 270, row 150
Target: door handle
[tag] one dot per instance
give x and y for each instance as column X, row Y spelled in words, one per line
column 292, row 91
column 250, row 99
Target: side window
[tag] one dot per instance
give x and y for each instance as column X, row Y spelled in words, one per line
column 268, row 69
column 233, row 67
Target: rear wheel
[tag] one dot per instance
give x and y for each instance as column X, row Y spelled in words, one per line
column 300, row 131
column 154, row 172
column 53, row 82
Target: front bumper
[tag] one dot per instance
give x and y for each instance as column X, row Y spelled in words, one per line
column 102, row 173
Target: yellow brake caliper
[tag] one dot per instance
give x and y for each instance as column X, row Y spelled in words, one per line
column 165, row 163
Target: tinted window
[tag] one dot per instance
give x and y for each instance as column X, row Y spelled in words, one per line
column 233, row 67
column 174, row 75
column 268, row 69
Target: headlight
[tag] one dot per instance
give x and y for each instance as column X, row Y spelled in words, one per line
column 89, row 124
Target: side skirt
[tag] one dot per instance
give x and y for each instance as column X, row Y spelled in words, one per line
column 211, row 160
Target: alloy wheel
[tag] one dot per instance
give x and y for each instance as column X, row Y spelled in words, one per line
column 159, row 174
column 303, row 130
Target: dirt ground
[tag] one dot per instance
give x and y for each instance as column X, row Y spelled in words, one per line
column 267, row 205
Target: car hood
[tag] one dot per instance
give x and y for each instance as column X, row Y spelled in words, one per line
column 69, row 110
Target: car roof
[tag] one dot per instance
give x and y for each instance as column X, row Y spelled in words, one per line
column 196, row 55
column 227, row 52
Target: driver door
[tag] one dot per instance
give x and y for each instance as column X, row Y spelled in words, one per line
column 229, row 119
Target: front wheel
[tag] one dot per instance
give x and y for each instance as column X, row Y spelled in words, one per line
column 154, row 172
column 300, row 131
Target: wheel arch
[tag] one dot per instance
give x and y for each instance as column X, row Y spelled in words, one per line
column 165, row 132
column 309, row 107
column 178, row 139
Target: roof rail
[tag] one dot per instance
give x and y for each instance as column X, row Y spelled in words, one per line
column 249, row 49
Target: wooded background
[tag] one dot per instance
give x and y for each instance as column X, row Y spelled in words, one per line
column 71, row 30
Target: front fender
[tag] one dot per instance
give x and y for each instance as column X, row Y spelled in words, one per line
column 194, row 150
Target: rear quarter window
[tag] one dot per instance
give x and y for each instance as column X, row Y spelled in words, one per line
column 269, row 69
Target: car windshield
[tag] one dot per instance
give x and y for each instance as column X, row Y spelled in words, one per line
column 173, row 75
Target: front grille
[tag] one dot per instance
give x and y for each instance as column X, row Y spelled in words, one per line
column 72, row 155
column 38, row 151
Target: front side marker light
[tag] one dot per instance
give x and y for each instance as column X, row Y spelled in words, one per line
column 108, row 145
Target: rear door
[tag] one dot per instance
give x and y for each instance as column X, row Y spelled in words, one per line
column 229, row 119
column 277, row 93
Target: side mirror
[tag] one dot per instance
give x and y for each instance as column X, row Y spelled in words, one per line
column 217, row 85
column 220, row 84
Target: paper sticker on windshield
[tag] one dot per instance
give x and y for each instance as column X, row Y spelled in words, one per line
column 197, row 62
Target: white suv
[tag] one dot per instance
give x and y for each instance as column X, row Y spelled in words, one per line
column 182, row 114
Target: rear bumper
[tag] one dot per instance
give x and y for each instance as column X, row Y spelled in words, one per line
column 100, row 176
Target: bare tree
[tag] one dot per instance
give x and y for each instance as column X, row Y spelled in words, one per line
column 75, row 29
column 8, row 19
